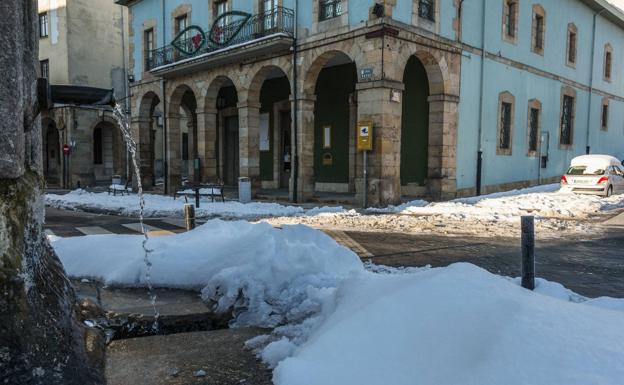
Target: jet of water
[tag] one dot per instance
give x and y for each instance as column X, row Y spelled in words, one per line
column 122, row 121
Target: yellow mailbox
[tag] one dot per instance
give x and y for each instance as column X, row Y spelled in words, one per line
column 365, row 135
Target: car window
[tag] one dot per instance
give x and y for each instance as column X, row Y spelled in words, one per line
column 582, row 170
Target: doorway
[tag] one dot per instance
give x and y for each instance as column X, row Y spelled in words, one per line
column 231, row 144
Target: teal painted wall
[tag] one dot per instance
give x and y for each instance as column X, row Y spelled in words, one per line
column 273, row 90
column 414, row 124
column 333, row 87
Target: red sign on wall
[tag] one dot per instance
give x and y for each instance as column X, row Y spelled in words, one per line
column 66, row 149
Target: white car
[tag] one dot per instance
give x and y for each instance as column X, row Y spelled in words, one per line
column 594, row 174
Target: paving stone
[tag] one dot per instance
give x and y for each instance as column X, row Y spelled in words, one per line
column 176, row 359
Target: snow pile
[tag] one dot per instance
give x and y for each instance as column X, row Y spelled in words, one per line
column 455, row 325
column 266, row 275
column 162, row 206
column 337, row 321
column 495, row 214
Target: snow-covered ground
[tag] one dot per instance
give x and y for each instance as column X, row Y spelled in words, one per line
column 165, row 206
column 338, row 322
column 495, row 214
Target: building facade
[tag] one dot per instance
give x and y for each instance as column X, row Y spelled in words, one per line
column 81, row 44
column 463, row 97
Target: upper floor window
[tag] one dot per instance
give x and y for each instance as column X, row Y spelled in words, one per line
column 566, row 129
column 221, row 7
column 329, row 9
column 44, row 68
column 510, row 20
column 181, row 23
column 506, row 103
column 571, row 46
column 608, row 58
column 269, row 9
column 538, row 29
column 426, row 9
column 43, row 25
column 148, row 41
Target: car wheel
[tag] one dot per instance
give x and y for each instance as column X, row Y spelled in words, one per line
column 609, row 191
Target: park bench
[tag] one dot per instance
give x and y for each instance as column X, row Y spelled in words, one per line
column 116, row 186
column 198, row 190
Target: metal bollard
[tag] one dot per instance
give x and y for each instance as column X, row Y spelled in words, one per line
column 197, row 197
column 189, row 216
column 528, row 252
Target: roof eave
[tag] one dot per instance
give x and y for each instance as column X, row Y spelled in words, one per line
column 608, row 10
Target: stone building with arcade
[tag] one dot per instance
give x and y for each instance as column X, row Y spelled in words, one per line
column 465, row 97
column 81, row 44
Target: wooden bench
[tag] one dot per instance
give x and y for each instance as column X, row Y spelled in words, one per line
column 117, row 187
column 211, row 190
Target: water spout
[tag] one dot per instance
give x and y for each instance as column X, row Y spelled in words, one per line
column 122, row 121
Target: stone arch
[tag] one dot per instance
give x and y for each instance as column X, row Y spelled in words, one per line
column 218, row 143
column 51, row 151
column 269, row 108
column 262, row 74
column 442, row 123
column 108, row 150
column 143, row 131
column 181, row 136
column 313, row 71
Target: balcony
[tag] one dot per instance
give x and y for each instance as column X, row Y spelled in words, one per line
column 232, row 38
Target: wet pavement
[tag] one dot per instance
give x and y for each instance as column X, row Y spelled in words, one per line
column 589, row 266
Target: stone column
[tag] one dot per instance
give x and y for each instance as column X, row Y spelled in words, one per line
column 305, row 147
column 442, row 173
column 174, row 153
column 207, row 143
column 384, row 162
column 141, row 130
column 249, row 142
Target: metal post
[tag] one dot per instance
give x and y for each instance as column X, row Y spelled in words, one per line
column 189, row 216
column 528, row 252
column 365, row 161
column 197, row 197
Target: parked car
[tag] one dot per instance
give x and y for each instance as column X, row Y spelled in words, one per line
column 594, row 174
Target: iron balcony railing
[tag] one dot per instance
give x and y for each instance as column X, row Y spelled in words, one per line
column 225, row 33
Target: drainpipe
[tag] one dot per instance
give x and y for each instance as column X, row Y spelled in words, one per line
column 480, row 120
column 163, row 87
column 591, row 80
column 294, row 149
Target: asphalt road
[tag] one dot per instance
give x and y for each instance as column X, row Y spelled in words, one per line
column 589, row 266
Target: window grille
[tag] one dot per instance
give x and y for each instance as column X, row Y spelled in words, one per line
column 533, row 128
column 566, row 120
column 426, row 9
column 511, row 18
column 505, row 126
column 329, row 9
column 605, row 116
column 572, row 47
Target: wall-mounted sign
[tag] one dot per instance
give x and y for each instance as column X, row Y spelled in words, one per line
column 328, row 159
column 395, row 96
column 326, row 136
column 265, row 143
column 365, row 135
column 366, row 74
